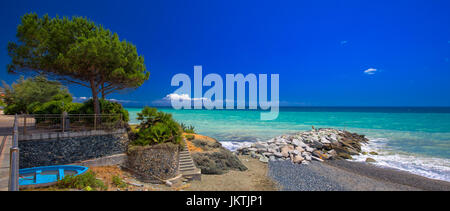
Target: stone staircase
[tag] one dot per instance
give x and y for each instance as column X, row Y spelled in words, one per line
column 186, row 165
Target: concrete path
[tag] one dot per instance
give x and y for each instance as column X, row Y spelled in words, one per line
column 5, row 145
column 6, row 125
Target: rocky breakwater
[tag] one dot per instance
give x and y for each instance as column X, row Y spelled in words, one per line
column 317, row 144
column 211, row 157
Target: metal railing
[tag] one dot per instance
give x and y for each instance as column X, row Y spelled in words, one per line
column 14, row 159
column 37, row 123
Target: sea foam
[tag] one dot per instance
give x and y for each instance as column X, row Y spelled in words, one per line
column 431, row 167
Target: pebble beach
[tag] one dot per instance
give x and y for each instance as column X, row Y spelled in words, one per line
column 341, row 175
column 318, row 160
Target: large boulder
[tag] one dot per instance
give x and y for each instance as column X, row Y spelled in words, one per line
column 370, row 160
column 213, row 158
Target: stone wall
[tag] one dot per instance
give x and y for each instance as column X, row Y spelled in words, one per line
column 70, row 150
column 154, row 163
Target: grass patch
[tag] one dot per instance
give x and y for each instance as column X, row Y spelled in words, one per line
column 118, row 182
column 86, row 181
column 189, row 137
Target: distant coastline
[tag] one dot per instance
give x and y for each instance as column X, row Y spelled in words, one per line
column 381, row 109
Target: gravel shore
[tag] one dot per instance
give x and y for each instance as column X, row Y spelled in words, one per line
column 341, row 175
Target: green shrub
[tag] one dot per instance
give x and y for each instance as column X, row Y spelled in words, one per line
column 118, row 182
column 157, row 127
column 26, row 94
column 73, row 108
column 84, row 181
column 187, row 129
column 190, row 137
column 106, row 107
column 2, row 104
column 13, row 109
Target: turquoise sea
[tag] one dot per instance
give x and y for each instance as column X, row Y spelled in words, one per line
column 411, row 139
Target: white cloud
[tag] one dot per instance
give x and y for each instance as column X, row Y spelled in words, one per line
column 175, row 96
column 166, row 101
column 82, row 99
column 370, row 71
column 121, row 101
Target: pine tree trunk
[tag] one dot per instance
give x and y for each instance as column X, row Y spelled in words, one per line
column 95, row 98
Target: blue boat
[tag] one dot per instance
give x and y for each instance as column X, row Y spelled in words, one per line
column 47, row 175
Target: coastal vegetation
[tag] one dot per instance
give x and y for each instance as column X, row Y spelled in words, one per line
column 187, row 128
column 156, row 127
column 86, row 181
column 35, row 94
column 38, row 95
column 76, row 51
column 118, row 182
column 106, row 107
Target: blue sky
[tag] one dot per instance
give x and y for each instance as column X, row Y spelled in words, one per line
column 327, row 53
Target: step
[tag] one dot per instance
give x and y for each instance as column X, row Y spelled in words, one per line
column 187, row 169
column 185, row 158
column 185, row 155
column 187, row 166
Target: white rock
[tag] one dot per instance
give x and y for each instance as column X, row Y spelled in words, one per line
column 333, row 137
column 332, row 153
column 267, row 154
column 271, row 150
column 298, row 159
column 264, row 159
column 317, row 144
column 308, row 158
column 261, row 150
column 316, row 158
column 295, row 152
column 260, row 146
column 324, row 141
column 303, row 145
column 296, row 142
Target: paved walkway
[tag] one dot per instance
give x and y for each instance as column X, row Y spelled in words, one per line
column 5, row 145
column 6, row 124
